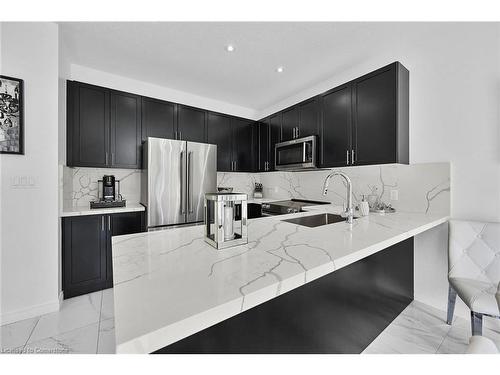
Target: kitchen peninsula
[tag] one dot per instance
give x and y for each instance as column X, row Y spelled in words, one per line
column 173, row 293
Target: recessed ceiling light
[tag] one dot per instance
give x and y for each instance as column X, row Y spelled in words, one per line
column 279, row 69
column 229, row 48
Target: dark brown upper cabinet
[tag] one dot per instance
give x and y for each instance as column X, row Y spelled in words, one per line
column 125, row 130
column 234, row 137
column 103, row 127
column 219, row 133
column 309, row 114
column 362, row 122
column 269, row 133
column 335, row 133
column 381, row 116
column 158, row 119
column 275, row 136
column 264, row 145
column 191, row 124
column 243, row 148
column 88, row 124
column 290, row 123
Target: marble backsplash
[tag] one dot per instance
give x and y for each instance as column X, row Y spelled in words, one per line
column 420, row 187
column 240, row 182
column 80, row 184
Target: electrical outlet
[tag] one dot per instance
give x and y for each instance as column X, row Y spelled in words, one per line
column 394, row 195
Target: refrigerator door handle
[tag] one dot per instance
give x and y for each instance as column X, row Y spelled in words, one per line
column 183, row 209
column 190, row 182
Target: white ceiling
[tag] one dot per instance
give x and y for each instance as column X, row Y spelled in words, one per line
column 191, row 57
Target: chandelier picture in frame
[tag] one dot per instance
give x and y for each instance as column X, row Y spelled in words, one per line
column 11, row 115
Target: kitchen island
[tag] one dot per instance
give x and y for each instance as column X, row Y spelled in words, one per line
column 170, row 286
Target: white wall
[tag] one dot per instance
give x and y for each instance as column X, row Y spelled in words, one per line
column 1, row 278
column 29, row 258
column 63, row 75
column 89, row 75
column 454, row 86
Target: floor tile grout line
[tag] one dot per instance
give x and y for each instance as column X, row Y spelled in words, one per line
column 64, row 333
column 446, row 335
column 31, row 333
column 99, row 324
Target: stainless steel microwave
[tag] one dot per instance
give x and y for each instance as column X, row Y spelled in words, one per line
column 295, row 154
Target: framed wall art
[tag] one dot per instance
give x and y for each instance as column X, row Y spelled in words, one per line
column 11, row 116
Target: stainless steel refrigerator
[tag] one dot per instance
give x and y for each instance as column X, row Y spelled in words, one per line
column 175, row 177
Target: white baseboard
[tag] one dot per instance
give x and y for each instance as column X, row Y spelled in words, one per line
column 30, row 312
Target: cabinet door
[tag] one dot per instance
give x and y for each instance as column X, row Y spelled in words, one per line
column 125, row 130
column 375, row 117
column 308, row 118
column 88, row 125
column 191, row 124
column 335, row 138
column 219, row 133
column 264, row 146
column 84, row 254
column 127, row 223
column 275, row 137
column 117, row 225
column 242, row 150
column 290, row 122
column 158, row 119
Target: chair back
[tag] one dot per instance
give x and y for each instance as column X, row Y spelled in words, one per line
column 474, row 251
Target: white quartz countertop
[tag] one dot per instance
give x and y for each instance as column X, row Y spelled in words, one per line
column 86, row 210
column 170, row 284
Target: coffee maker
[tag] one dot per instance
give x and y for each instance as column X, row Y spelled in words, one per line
column 109, row 193
column 108, row 188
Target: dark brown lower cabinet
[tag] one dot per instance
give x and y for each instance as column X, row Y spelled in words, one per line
column 87, row 259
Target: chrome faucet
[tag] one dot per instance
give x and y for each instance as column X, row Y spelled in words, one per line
column 349, row 210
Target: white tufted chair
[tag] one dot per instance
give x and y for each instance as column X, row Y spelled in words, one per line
column 474, row 269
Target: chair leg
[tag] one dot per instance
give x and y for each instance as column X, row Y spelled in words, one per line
column 452, row 297
column 476, row 321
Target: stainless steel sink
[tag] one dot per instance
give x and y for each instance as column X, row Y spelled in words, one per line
column 316, row 220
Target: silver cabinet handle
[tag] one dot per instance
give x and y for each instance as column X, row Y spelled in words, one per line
column 112, row 158
column 102, row 223
column 297, row 131
column 234, row 166
column 347, row 156
column 183, row 211
column 352, row 156
column 106, row 158
column 190, row 183
column 109, row 222
column 180, row 135
column 294, row 135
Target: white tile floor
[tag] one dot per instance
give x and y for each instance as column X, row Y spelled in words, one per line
column 421, row 329
column 85, row 324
